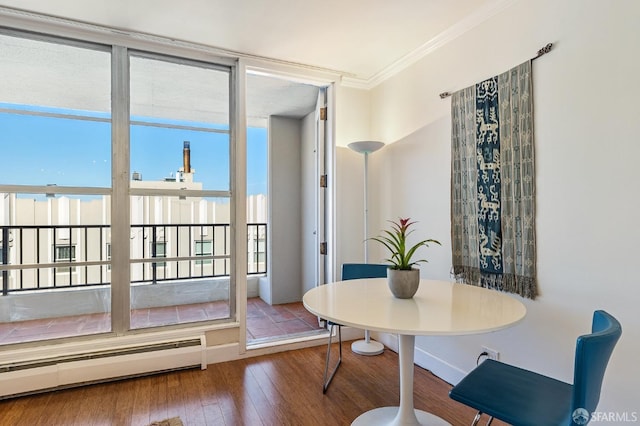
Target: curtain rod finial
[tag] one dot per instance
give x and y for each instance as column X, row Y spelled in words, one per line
column 545, row 49
column 445, row 95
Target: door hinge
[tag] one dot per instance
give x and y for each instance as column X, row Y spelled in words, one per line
column 323, row 113
column 323, row 248
column 323, row 181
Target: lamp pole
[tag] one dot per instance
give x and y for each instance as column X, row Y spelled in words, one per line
column 366, row 207
column 366, row 148
column 366, row 346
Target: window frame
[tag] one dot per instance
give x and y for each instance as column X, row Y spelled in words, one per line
column 120, row 47
column 72, row 259
column 201, row 243
column 57, row 249
column 154, row 250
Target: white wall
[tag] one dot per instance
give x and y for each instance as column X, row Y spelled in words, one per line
column 587, row 149
column 353, row 119
column 353, row 115
column 284, row 262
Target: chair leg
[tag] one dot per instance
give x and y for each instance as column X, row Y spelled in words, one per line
column 490, row 420
column 325, row 382
column 476, row 419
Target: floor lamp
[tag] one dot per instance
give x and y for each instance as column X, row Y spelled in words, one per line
column 366, row 346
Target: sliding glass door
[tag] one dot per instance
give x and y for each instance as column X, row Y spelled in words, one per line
column 180, row 162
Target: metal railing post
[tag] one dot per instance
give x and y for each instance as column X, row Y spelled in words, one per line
column 153, row 254
column 5, row 260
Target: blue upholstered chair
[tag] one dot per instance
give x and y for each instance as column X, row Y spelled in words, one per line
column 350, row 271
column 522, row 397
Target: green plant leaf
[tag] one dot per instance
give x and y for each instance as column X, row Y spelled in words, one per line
column 395, row 240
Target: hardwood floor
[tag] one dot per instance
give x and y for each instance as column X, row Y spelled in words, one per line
column 278, row 389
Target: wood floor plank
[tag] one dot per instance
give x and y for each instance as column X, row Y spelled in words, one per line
column 123, row 404
column 103, row 403
column 279, row 411
column 270, row 414
column 82, row 412
column 14, row 411
column 291, row 383
column 208, row 391
column 35, row 411
column 158, row 400
column 273, row 390
column 225, row 395
column 176, row 396
column 141, row 401
column 194, row 410
column 237, row 384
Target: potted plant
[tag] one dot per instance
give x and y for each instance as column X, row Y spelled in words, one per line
column 402, row 277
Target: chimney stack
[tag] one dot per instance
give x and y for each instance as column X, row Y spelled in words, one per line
column 186, row 157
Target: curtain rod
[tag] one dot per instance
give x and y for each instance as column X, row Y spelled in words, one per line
column 545, row 49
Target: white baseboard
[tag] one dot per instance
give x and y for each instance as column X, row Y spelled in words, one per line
column 447, row 372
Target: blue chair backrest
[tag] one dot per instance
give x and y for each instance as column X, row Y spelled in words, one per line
column 353, row 271
column 592, row 356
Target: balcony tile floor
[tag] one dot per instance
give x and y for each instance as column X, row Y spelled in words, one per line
column 264, row 321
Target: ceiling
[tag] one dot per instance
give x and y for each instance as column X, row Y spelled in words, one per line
column 360, row 39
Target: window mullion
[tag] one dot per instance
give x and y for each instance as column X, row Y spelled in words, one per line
column 120, row 200
column 238, row 179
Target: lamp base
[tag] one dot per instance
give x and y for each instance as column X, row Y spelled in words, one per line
column 370, row 348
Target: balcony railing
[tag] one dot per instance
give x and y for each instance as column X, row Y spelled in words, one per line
column 41, row 257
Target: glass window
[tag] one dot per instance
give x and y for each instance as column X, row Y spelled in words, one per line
column 108, row 252
column 180, row 141
column 55, row 111
column 65, row 253
column 179, row 125
column 261, row 250
column 55, row 116
column 160, row 250
column 204, row 248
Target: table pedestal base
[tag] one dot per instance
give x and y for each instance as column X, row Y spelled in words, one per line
column 405, row 414
column 387, row 415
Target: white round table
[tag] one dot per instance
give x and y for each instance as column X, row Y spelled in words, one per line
column 438, row 308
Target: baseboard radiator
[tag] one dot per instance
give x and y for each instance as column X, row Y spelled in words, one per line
column 42, row 374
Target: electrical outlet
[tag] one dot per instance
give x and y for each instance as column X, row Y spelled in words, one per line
column 491, row 353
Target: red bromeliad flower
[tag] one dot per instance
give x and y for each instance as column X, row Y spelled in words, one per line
column 395, row 240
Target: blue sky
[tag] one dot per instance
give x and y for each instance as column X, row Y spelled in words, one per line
column 38, row 150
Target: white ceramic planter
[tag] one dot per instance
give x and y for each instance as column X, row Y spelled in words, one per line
column 403, row 283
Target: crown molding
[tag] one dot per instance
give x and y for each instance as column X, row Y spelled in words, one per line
column 461, row 27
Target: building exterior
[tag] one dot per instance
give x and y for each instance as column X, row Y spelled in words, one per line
column 62, row 241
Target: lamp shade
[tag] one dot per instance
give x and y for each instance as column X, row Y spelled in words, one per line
column 365, row 147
